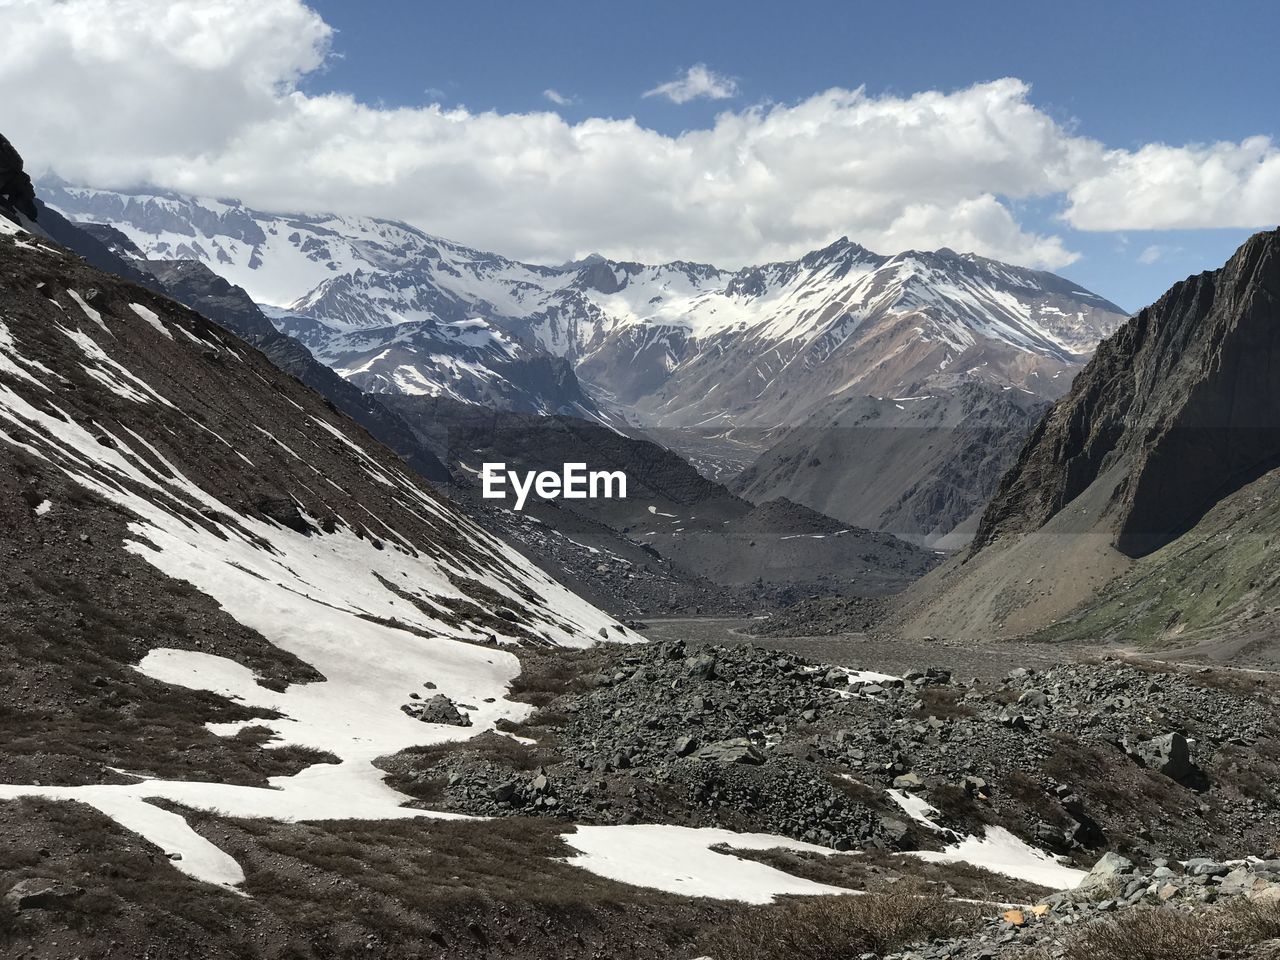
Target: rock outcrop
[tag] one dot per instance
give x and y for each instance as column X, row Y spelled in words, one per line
column 16, row 191
column 1182, row 402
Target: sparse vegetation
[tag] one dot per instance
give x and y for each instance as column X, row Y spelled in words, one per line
column 837, row 928
column 1242, row 929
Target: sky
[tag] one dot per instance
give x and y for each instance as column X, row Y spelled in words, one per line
column 1122, row 145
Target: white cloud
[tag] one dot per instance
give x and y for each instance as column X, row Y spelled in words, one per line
column 698, row 82
column 1152, row 254
column 202, row 96
column 1163, row 187
column 558, row 98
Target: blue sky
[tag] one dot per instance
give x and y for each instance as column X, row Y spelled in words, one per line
column 1123, row 73
column 1123, row 145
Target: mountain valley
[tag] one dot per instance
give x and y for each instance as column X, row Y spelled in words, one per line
column 937, row 623
column 718, row 365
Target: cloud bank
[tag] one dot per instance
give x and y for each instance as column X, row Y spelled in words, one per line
column 204, row 97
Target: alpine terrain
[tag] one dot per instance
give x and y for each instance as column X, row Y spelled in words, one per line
column 716, row 363
column 1138, row 509
column 937, row 621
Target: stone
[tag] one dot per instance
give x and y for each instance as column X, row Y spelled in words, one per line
column 503, row 792
column 1108, row 872
column 735, row 750
column 893, row 829
column 908, row 781
column 974, row 786
column 685, row 746
column 702, row 667
column 42, row 894
column 438, row 709
column 1036, row 699
column 1170, row 755
column 1204, row 867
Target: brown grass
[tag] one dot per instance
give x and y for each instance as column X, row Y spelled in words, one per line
column 546, row 676
column 1242, row 929
column 839, row 928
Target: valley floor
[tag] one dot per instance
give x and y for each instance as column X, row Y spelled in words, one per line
column 945, row 788
column 864, row 651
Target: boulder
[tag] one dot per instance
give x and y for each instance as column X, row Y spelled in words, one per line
column 1108, row 873
column 736, row 750
column 909, row 782
column 1036, row 699
column 503, row 792
column 42, row 894
column 1170, row 755
column 284, row 511
column 893, row 830
column 701, row 667
column 685, row 746
column 439, row 709
column 1204, row 867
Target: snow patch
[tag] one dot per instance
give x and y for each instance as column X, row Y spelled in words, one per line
column 680, row 860
column 151, row 318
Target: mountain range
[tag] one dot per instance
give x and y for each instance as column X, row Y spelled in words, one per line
column 717, row 364
column 675, row 344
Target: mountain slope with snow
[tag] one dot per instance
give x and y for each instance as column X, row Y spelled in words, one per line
column 198, row 554
column 673, row 345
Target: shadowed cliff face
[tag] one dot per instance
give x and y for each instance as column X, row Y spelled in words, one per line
column 16, row 192
column 1184, row 400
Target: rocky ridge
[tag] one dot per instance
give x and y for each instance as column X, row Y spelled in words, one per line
column 1177, row 409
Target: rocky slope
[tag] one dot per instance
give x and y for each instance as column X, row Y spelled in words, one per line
column 1181, row 403
column 690, row 527
column 1163, row 438
column 1075, row 758
column 921, row 468
column 192, row 538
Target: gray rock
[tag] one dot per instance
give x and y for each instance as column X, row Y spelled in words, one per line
column 1170, row 755
column 40, row 893
column 1109, row 872
column 909, row 782
column 439, row 709
column 503, row 792
column 702, row 667
column 893, row 829
column 685, row 746
column 736, row 750
column 1036, row 699
column 1204, row 867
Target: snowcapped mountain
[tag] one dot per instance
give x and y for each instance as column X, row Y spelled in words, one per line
column 672, row 345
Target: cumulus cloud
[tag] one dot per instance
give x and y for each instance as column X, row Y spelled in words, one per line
column 558, row 98
column 699, row 82
column 1163, row 187
column 203, row 96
